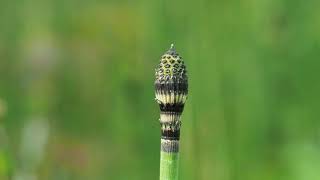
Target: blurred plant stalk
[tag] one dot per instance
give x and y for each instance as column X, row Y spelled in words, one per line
column 39, row 60
column 5, row 158
column 33, row 148
column 171, row 89
column 5, row 163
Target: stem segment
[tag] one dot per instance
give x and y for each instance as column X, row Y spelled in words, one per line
column 169, row 161
column 169, row 165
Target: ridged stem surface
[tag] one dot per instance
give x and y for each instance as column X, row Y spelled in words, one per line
column 169, row 165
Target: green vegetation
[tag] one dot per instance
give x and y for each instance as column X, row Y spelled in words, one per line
column 86, row 69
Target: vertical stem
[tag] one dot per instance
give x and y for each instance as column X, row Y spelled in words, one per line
column 169, row 159
column 169, row 166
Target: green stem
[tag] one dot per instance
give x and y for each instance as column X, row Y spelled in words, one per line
column 169, row 163
column 169, row 160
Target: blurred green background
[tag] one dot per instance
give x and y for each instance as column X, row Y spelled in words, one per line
column 77, row 95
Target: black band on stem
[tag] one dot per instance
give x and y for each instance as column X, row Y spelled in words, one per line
column 170, row 134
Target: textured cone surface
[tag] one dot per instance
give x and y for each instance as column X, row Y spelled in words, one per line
column 171, row 89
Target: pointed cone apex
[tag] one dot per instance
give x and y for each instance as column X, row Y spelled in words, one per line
column 172, row 46
column 172, row 50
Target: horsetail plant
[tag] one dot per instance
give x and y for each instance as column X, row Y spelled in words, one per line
column 171, row 89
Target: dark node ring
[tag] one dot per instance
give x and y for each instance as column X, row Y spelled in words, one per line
column 177, row 108
column 170, row 134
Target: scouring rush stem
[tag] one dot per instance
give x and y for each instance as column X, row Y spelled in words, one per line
column 171, row 90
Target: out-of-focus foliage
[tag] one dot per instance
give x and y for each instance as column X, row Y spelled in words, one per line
column 77, row 95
